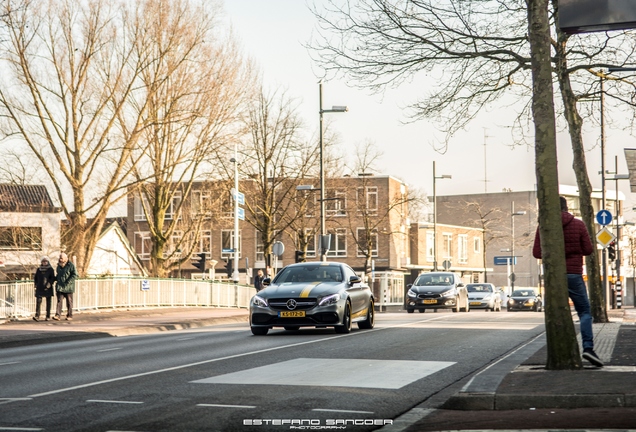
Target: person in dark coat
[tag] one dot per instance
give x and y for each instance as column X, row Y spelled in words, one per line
column 258, row 280
column 44, row 279
column 65, row 286
column 577, row 244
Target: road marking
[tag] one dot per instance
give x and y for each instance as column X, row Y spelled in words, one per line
column 388, row 374
column 214, row 360
column 8, row 363
column 109, row 349
column 343, row 411
column 113, row 401
column 6, row 428
column 4, row 401
column 226, row 406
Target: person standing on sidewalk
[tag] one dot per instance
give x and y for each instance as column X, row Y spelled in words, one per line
column 577, row 244
column 258, row 280
column 65, row 286
column 44, row 279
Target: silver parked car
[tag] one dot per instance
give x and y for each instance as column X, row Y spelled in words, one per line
column 484, row 296
column 313, row 294
column 437, row 290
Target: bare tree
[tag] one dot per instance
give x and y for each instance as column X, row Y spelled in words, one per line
column 273, row 156
column 196, row 84
column 69, row 72
column 563, row 349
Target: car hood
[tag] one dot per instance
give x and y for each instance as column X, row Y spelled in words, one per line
column 517, row 298
column 435, row 289
column 304, row 289
column 478, row 295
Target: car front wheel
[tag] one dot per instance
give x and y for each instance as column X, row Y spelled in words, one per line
column 346, row 321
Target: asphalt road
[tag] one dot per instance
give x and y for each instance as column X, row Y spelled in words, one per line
column 222, row 378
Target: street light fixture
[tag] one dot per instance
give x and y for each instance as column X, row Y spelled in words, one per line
column 513, row 213
column 334, row 109
column 435, row 177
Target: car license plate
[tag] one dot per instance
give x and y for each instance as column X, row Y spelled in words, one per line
column 430, row 301
column 292, row 314
column 475, row 303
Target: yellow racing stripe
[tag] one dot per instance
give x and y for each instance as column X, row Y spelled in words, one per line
column 305, row 292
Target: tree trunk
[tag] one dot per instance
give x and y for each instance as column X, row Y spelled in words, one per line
column 563, row 350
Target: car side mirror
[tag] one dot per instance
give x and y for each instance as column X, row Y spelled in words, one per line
column 354, row 280
column 409, row 285
column 267, row 282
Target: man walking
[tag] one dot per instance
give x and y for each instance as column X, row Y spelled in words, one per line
column 577, row 244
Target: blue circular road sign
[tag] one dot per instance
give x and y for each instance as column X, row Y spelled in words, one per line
column 604, row 217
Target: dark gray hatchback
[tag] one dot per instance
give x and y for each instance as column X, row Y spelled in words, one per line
column 437, row 290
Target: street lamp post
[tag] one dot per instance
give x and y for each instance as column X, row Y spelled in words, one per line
column 235, row 271
column 334, row 109
column 435, row 177
column 513, row 213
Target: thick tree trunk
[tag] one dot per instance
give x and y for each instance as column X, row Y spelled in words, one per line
column 563, row 350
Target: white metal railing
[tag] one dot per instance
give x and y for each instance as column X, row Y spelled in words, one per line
column 17, row 299
column 389, row 288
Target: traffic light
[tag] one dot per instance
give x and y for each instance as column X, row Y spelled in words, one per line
column 611, row 251
column 200, row 262
column 300, row 256
column 228, row 268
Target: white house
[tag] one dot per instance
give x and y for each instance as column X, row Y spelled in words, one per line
column 114, row 256
column 29, row 229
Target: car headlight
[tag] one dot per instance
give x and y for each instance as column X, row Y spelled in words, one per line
column 329, row 300
column 511, row 301
column 411, row 293
column 450, row 293
column 259, row 301
column 530, row 301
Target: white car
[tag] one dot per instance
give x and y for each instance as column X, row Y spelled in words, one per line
column 484, row 296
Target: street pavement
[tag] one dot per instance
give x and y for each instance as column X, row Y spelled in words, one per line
column 514, row 393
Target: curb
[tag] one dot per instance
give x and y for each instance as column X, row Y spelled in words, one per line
column 499, row 402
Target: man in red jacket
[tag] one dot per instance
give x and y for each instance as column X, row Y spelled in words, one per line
column 577, row 244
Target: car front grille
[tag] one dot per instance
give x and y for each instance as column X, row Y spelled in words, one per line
column 301, row 303
column 429, row 296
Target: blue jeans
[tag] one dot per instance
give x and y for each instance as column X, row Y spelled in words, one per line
column 578, row 294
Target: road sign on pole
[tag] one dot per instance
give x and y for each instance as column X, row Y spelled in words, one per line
column 604, row 217
column 605, row 236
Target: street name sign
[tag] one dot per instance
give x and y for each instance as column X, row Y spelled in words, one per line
column 504, row 260
column 241, row 213
column 605, row 236
column 604, row 217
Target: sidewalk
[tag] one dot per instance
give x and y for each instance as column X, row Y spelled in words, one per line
column 518, row 393
column 117, row 322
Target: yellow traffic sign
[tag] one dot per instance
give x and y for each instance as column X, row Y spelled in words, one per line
column 605, row 236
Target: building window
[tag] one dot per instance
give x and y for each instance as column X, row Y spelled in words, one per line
column 338, row 246
column 174, row 205
column 201, row 203
column 336, row 202
column 21, row 238
column 477, row 245
column 306, row 202
column 227, row 243
column 430, row 246
column 462, row 248
column 367, row 199
column 448, row 245
column 260, row 251
column 139, row 214
column 143, row 245
column 362, row 242
column 205, row 242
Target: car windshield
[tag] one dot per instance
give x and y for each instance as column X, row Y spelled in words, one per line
column 429, row 279
column 309, row 273
column 479, row 288
column 523, row 293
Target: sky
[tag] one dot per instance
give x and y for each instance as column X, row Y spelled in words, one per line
column 480, row 159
